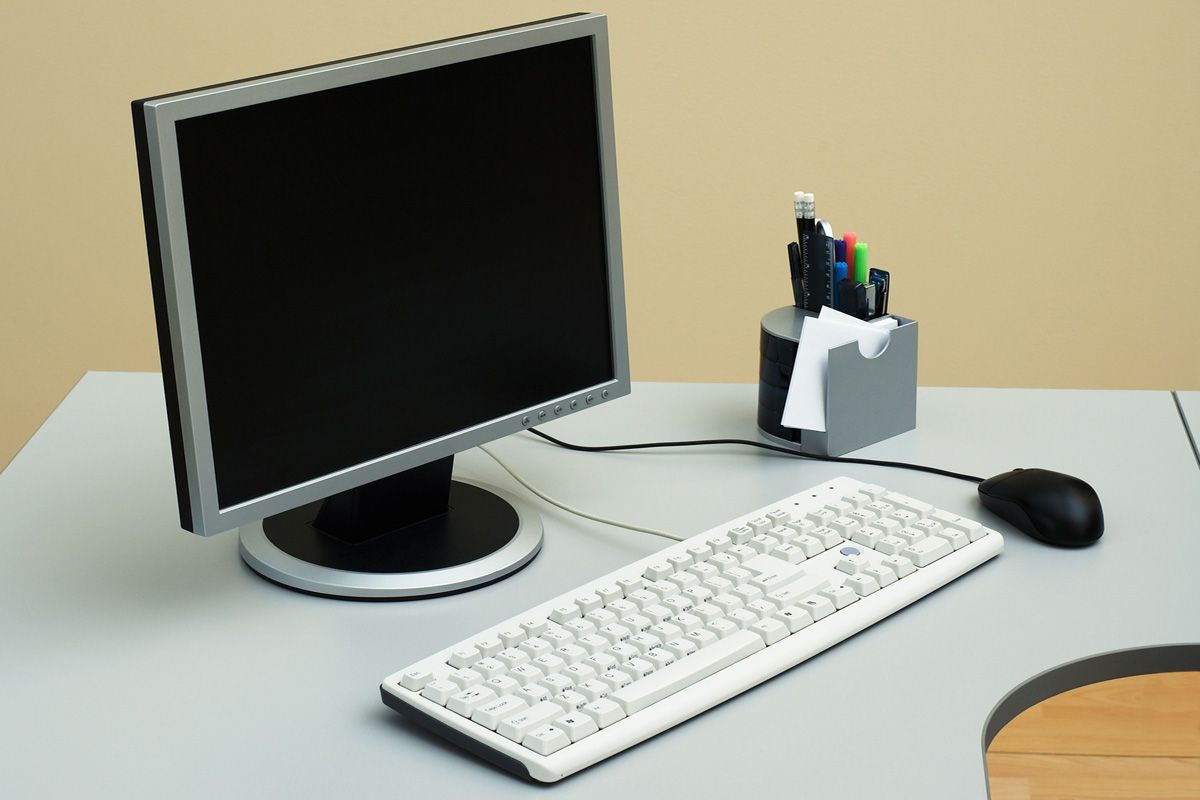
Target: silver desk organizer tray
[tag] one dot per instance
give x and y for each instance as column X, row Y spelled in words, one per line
column 867, row 400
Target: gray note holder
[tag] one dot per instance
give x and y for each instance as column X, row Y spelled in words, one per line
column 867, row 400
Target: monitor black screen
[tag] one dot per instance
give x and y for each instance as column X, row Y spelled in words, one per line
column 388, row 262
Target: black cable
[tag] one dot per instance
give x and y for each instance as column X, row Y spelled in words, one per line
column 774, row 448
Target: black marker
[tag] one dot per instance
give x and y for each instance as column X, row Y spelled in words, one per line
column 797, row 275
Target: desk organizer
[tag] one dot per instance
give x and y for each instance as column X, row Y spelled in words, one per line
column 867, row 400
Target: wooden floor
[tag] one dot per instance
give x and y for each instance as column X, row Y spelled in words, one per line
column 1133, row 738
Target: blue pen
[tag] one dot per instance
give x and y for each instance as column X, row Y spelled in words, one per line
column 839, row 275
column 839, row 250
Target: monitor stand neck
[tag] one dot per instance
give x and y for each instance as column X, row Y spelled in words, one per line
column 413, row 534
column 388, row 504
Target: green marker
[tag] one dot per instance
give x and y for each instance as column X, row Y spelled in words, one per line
column 860, row 262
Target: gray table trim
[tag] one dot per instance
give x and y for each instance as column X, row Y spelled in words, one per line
column 1188, row 405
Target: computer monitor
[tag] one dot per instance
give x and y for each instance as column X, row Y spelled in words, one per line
column 364, row 267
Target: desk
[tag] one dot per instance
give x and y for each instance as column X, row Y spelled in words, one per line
column 140, row 661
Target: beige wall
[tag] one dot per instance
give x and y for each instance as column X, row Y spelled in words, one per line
column 1028, row 171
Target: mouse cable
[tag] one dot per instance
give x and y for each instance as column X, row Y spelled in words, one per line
column 572, row 509
column 774, row 448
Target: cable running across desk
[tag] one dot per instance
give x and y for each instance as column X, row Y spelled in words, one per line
column 748, row 443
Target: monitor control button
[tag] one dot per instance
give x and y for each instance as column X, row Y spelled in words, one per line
column 589, row 398
column 604, row 394
column 558, row 409
column 574, row 404
column 542, row 414
column 525, row 421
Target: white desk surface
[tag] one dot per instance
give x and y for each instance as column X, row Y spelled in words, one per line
column 141, row 661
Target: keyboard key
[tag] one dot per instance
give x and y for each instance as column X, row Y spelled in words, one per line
column 863, row 516
column 667, row 681
column 890, row 545
column 899, row 565
column 684, row 580
column 822, row 516
column 502, row 685
column 489, row 647
column 465, row 678
column 862, row 584
column 828, row 537
column 840, row 596
column 610, row 592
column 463, row 657
column 516, row 726
column 439, row 691
column 577, row 725
column 883, row 575
column 415, row 679
column 872, row 491
column 629, row 585
column 908, row 504
column 771, row 630
column 699, row 552
column 549, row 664
column 819, row 607
column 699, row 594
column 910, row 535
column 468, row 700
column 593, row 689
column 512, row 636
column 857, row 499
column 783, row 533
column 742, row 553
column 533, row 694
column 809, row 544
column 593, row 643
column 779, row 516
column 580, row 627
column 957, row 539
column 742, row 618
column 535, row 626
column 570, row 700
column 680, row 561
column 535, row 647
column 643, row 598
column 927, row 551
column 760, row 524
column 604, row 712
column 600, row 617
column 557, row 637
column 491, row 713
column 702, row 637
column 602, row 662
column 927, row 525
column 794, row 617
column 737, row 576
column 571, row 653
column 764, row 543
column 621, row 608
column 546, row 740
column 719, row 544
column 687, row 622
column 723, row 628
column 639, row 667
column 658, row 658
column 557, row 684
column 801, row 526
column 868, row 536
column 704, row 571
column 589, row 602
column 616, row 679
column 707, row 612
column 846, row 526
column 489, row 668
column 657, row 613
column 643, row 642
column 511, row 657
column 852, row 565
column 657, row 571
column 526, row 674
column 680, row 648
column 741, row 534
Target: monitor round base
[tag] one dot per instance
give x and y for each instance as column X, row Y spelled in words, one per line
column 486, row 535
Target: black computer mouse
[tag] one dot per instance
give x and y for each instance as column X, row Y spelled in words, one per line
column 1051, row 507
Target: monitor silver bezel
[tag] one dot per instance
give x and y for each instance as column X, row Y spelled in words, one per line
column 161, row 114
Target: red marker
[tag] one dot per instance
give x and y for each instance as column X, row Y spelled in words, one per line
column 851, row 239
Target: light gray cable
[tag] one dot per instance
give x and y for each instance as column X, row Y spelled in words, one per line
column 572, row 509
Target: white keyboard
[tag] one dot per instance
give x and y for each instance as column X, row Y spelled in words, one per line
column 598, row 669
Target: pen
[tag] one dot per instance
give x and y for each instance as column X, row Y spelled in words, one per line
column 839, row 275
column 860, row 262
column 797, row 275
column 851, row 239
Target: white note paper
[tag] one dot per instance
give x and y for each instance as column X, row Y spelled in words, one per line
column 805, row 404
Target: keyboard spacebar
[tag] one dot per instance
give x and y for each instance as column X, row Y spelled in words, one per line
column 691, row 669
